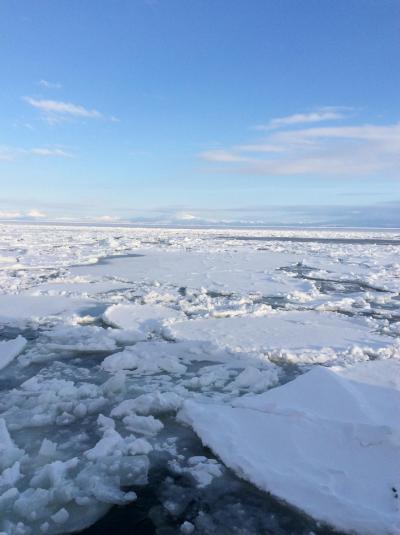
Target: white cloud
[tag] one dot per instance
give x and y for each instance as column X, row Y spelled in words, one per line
column 329, row 150
column 56, row 110
column 260, row 147
column 13, row 153
column 361, row 132
column 50, row 152
column 222, row 156
column 185, row 216
column 7, row 154
column 107, row 218
column 328, row 113
column 49, row 85
column 9, row 215
column 31, row 214
column 36, row 214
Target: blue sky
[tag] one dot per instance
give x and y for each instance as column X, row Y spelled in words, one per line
column 244, row 110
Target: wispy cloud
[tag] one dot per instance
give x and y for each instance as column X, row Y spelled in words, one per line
column 324, row 151
column 36, row 214
column 226, row 156
column 8, row 214
column 55, row 110
column 49, row 85
column 327, row 113
column 50, row 152
column 7, row 154
column 185, row 216
column 29, row 215
column 13, row 153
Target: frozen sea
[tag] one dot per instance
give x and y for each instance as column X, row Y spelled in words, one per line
column 168, row 381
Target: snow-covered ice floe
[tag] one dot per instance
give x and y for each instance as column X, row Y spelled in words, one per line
column 299, row 331
column 327, row 442
column 125, row 354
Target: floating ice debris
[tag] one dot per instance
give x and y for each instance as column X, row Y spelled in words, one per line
column 200, row 468
column 153, row 403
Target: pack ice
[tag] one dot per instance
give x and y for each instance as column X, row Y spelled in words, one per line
column 217, row 367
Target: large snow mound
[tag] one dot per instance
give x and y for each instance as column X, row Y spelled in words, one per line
column 327, row 442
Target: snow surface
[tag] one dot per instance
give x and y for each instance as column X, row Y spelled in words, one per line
column 107, row 333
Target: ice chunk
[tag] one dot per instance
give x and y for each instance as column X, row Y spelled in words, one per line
column 164, row 352
column 9, row 452
column 146, row 404
column 142, row 319
column 82, row 338
column 143, row 362
column 9, row 349
column 105, row 423
column 145, row 425
column 107, row 445
column 48, row 448
column 256, row 380
column 211, row 377
column 53, row 474
column 113, row 444
column 201, row 469
column 11, row 475
column 60, row 517
column 187, row 528
column 328, row 443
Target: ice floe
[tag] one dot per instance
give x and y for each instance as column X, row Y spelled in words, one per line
column 20, row 309
column 292, row 330
column 327, row 442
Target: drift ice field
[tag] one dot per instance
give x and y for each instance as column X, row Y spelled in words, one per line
column 199, row 381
